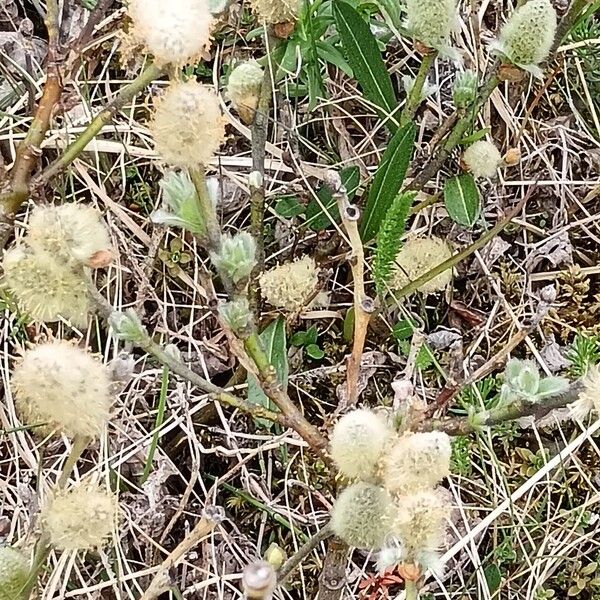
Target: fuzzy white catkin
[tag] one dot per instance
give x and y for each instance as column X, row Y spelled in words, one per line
column 14, row 572
column 589, row 397
column 482, row 159
column 188, row 126
column 361, row 515
column 527, row 37
column 289, row 286
column 173, row 31
column 273, row 12
column 46, row 288
column 416, row 461
column 243, row 88
column 420, row 520
column 64, row 387
column 417, row 257
column 432, row 21
column 81, row 518
column 357, row 442
column 69, row 231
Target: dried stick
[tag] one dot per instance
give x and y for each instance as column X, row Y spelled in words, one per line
column 161, row 582
column 363, row 304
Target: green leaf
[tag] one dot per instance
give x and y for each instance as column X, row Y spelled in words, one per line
column 388, row 180
column 403, row 330
column 388, row 239
column 348, row 332
column 298, row 339
column 317, row 218
column 275, row 344
column 332, row 55
column 311, row 335
column 362, row 52
column 493, row 578
column 315, row 352
column 288, row 207
column 461, row 197
column 475, row 136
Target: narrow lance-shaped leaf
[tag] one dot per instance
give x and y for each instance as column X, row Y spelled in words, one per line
column 461, row 198
column 388, row 180
column 275, row 344
column 362, row 52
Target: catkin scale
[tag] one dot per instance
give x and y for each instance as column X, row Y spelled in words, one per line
column 482, row 159
column 45, row 287
column 417, row 257
column 289, row 286
column 14, row 572
column 416, row 461
column 243, row 89
column 527, row 37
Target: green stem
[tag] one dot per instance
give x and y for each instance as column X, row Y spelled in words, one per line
column 42, row 550
column 415, row 97
column 259, row 132
column 256, row 411
column 511, row 412
column 145, row 78
column 459, row 256
column 80, row 443
column 160, row 415
column 410, row 587
column 456, row 135
column 105, row 311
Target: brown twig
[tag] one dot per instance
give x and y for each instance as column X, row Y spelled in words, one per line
column 333, row 576
column 363, row 304
column 28, row 151
column 161, row 582
column 272, row 387
column 257, row 180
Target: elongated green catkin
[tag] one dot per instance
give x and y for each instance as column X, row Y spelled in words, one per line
column 527, row 37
